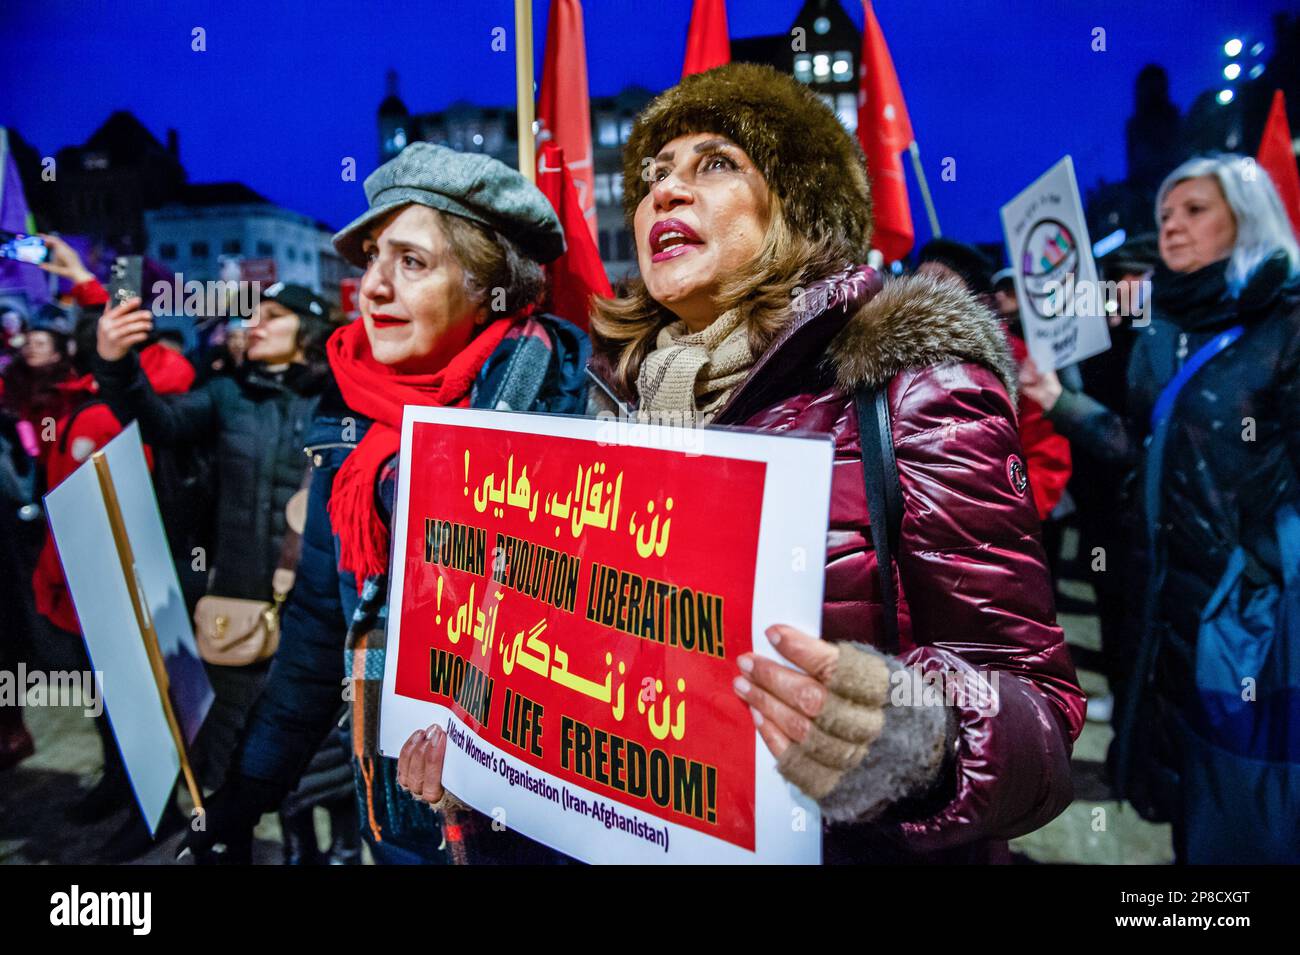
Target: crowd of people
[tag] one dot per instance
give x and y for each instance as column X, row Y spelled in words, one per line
column 756, row 198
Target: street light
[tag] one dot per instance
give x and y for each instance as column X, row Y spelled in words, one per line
column 1253, row 66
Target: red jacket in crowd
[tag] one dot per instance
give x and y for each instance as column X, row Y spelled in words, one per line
column 78, row 435
column 1047, row 453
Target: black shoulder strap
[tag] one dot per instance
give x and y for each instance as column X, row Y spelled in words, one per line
column 884, row 496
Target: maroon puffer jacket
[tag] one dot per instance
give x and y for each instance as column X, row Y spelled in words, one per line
column 975, row 593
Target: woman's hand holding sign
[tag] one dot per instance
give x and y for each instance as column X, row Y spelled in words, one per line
column 1043, row 387
column 820, row 723
column 419, row 765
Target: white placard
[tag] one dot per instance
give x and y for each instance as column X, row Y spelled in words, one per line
column 1061, row 306
column 84, row 537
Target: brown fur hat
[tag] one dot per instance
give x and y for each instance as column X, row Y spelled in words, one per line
column 803, row 151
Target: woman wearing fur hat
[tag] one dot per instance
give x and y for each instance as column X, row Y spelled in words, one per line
column 751, row 210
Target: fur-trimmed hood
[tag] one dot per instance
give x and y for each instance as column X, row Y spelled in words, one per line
column 914, row 322
column 906, row 323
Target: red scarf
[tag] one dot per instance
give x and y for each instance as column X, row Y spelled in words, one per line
column 380, row 393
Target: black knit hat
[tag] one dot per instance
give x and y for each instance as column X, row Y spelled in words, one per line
column 53, row 319
column 803, row 151
column 967, row 261
column 299, row 299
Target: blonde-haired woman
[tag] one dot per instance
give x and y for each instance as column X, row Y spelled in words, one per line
column 751, row 210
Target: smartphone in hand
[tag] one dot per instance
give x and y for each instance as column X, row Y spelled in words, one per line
column 23, row 248
column 124, row 279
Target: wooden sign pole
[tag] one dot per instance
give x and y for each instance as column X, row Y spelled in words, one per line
column 145, row 620
column 524, row 89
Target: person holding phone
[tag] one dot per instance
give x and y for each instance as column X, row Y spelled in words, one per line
column 255, row 423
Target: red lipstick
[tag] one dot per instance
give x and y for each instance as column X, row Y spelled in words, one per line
column 670, row 238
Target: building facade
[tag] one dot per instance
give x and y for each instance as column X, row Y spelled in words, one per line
column 223, row 225
column 104, row 186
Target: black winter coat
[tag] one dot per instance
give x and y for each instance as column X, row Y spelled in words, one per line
column 1233, row 453
column 256, row 423
column 1232, row 458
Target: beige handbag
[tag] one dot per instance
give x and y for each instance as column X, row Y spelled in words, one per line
column 234, row 632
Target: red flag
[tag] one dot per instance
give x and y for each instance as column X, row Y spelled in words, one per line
column 563, row 108
column 1277, row 156
column 884, row 130
column 707, row 44
column 578, row 274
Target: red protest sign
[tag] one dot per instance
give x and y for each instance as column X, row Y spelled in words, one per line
column 577, row 606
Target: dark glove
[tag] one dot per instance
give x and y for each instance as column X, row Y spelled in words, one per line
column 222, row 834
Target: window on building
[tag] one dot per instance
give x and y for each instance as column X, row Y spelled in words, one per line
column 616, row 186
column 265, row 249
column 308, row 256
column 602, row 188
column 232, row 247
column 842, row 67
column 624, row 130
column 803, row 67
column 846, row 108
column 821, row 67
column 291, row 253
column 198, row 250
column 604, row 243
column 167, row 250
column 607, row 131
column 624, row 245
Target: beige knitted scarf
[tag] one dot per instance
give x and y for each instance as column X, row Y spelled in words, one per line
column 690, row 375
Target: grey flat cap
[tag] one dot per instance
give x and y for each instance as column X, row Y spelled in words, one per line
column 471, row 185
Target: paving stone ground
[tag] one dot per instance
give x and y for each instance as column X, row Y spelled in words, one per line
column 34, row 795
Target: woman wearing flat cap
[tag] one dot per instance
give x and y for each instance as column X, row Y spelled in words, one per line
column 452, row 245
column 752, row 213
